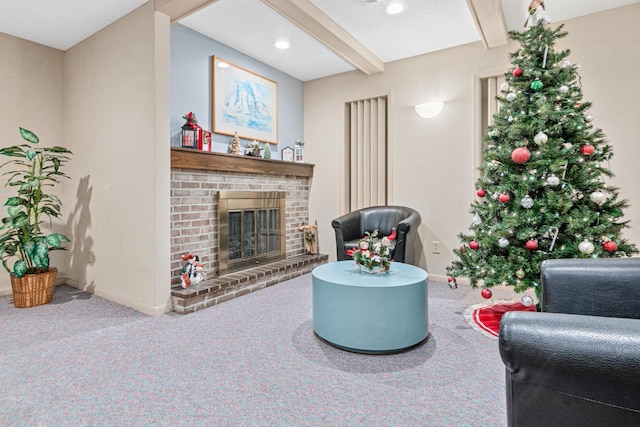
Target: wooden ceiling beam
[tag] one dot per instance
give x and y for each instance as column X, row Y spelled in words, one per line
column 309, row 18
column 489, row 18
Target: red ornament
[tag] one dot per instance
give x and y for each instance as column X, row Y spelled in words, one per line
column 520, row 155
column 587, row 149
column 481, row 193
column 486, row 293
column 517, row 72
column 504, row 198
column 474, row 245
column 610, row 246
column 532, row 245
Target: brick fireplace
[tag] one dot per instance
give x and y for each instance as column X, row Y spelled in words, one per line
column 196, row 179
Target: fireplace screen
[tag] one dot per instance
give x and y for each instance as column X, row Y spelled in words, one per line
column 251, row 228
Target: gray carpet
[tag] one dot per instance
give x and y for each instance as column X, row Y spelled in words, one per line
column 251, row 361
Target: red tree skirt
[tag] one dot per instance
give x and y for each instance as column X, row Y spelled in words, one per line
column 485, row 317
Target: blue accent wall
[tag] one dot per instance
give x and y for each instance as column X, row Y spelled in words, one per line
column 191, row 89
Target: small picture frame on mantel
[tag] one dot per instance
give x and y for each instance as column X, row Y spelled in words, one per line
column 287, row 154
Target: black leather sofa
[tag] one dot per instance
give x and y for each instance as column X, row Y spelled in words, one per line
column 577, row 362
column 351, row 227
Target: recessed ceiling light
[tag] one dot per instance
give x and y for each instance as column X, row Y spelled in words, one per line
column 282, row 44
column 396, row 7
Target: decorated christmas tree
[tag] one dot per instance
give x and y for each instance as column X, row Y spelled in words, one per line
column 542, row 191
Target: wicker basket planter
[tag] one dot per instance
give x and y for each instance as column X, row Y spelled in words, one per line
column 32, row 290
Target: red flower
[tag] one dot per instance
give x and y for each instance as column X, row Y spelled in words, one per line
column 350, row 252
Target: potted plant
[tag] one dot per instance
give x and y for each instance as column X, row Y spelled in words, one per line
column 31, row 171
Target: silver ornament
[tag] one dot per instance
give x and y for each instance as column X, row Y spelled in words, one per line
column 476, row 219
column 526, row 202
column 503, row 242
column 526, row 300
column 553, row 180
column 511, row 97
column 564, row 89
column 540, row 138
column 597, row 197
column 586, row 247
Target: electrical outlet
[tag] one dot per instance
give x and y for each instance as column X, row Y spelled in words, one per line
column 436, row 246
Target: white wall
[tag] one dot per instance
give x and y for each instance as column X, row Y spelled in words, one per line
column 432, row 160
column 31, row 96
column 117, row 124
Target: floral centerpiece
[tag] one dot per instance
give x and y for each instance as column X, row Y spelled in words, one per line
column 372, row 255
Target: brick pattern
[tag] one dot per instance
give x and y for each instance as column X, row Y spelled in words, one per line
column 194, row 212
column 220, row 289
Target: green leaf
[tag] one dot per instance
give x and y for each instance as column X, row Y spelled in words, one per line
column 31, row 154
column 55, row 239
column 20, row 220
column 19, row 268
column 29, row 248
column 13, row 201
column 14, row 210
column 42, row 250
column 27, row 135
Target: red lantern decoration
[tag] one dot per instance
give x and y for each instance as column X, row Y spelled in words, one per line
column 481, row 193
column 517, row 72
column 587, row 149
column 610, row 246
column 486, row 293
column 474, row 245
column 504, row 198
column 532, row 245
column 520, row 155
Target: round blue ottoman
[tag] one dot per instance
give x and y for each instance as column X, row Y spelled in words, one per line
column 370, row 313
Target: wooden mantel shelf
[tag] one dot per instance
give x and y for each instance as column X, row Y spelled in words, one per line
column 194, row 159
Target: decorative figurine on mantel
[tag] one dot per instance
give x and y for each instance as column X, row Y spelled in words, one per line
column 235, row 145
column 310, row 238
column 266, row 153
column 192, row 271
column 253, row 149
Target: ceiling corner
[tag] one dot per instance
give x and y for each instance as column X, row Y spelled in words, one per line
column 177, row 9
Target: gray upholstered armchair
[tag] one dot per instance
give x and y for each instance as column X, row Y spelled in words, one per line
column 576, row 363
column 351, row 227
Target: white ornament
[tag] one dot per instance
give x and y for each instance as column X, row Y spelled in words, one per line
column 540, row 138
column 553, row 180
column 564, row 89
column 588, row 118
column 598, row 197
column 511, row 97
column 504, row 86
column 565, row 63
column 526, row 300
column 476, row 219
column 526, row 202
column 586, row 247
column 510, row 119
column 503, row 242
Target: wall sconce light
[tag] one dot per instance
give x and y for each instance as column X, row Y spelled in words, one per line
column 429, row 110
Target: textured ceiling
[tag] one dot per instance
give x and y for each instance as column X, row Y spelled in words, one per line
column 251, row 26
